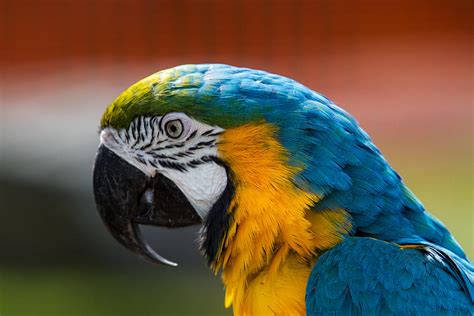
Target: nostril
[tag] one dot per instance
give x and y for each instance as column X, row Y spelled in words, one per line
column 145, row 204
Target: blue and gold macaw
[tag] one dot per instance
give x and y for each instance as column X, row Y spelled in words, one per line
column 299, row 210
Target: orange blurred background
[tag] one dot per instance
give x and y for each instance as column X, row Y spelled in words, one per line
column 389, row 62
column 402, row 68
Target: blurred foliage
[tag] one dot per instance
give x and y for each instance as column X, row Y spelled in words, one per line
column 91, row 292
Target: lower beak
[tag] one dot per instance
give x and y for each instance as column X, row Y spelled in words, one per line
column 126, row 197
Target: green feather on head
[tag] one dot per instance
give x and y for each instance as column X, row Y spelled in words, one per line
column 181, row 89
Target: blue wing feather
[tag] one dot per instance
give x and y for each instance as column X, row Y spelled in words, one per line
column 364, row 276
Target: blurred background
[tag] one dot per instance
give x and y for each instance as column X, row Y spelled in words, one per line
column 402, row 68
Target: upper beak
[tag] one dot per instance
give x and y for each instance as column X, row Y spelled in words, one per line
column 126, row 197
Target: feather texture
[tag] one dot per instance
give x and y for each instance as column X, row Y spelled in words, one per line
column 297, row 157
column 364, row 276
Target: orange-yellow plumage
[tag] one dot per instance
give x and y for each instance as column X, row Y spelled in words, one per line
column 274, row 237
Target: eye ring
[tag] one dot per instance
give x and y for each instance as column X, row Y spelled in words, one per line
column 174, row 128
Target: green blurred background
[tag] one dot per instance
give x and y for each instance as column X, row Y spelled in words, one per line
column 402, row 68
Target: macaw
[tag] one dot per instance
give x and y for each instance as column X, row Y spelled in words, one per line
column 299, row 210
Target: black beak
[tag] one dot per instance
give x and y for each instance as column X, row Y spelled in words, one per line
column 126, row 197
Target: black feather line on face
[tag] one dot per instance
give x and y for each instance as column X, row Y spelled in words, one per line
column 180, row 155
column 158, row 156
column 146, row 146
column 205, row 144
column 217, row 221
column 134, row 131
column 160, row 128
column 209, row 131
column 172, row 165
column 165, row 163
column 201, row 146
column 137, row 140
column 152, row 130
column 179, row 145
column 215, row 134
column 191, row 136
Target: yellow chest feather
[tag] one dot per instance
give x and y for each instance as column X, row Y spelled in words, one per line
column 282, row 293
column 274, row 237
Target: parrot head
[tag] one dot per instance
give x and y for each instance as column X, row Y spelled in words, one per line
column 164, row 170
column 191, row 144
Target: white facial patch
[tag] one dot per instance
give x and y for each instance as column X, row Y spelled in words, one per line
column 180, row 148
column 202, row 186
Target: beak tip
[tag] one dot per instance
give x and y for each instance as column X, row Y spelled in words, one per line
column 156, row 258
column 147, row 252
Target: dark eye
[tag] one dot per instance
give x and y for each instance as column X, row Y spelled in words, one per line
column 174, row 128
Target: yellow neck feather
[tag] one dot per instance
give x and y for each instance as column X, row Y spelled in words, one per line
column 274, row 237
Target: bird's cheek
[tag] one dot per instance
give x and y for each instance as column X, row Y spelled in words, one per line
column 201, row 186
